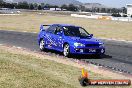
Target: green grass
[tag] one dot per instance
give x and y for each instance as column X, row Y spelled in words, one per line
column 100, row 28
column 21, row 71
column 26, row 71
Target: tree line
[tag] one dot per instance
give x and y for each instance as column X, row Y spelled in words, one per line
column 70, row 7
column 35, row 6
column 104, row 10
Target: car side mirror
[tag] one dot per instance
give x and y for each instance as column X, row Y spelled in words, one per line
column 91, row 35
column 59, row 33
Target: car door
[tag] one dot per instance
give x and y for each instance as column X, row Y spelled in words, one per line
column 58, row 38
column 49, row 36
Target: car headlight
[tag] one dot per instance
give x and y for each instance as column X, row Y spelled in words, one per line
column 78, row 44
column 101, row 45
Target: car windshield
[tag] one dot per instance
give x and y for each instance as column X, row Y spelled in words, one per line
column 75, row 31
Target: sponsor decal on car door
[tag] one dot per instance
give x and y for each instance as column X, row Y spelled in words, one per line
column 49, row 37
column 58, row 41
column 48, row 40
column 58, row 38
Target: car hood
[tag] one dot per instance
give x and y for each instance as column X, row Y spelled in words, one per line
column 91, row 40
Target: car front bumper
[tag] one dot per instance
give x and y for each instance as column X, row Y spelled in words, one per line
column 87, row 50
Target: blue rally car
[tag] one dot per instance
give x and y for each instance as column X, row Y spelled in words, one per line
column 69, row 39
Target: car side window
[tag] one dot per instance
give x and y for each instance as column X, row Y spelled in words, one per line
column 51, row 29
column 58, row 29
column 83, row 32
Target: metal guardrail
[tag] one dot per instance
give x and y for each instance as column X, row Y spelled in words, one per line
column 126, row 19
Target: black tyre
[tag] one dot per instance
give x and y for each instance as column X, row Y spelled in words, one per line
column 66, row 50
column 42, row 45
column 84, row 82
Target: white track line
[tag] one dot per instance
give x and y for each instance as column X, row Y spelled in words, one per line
column 20, row 31
column 19, row 47
column 9, row 14
column 116, row 40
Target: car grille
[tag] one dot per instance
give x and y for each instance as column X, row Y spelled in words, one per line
column 92, row 45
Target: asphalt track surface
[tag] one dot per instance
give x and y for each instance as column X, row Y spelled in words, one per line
column 118, row 54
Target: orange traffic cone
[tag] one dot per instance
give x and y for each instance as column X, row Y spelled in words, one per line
column 84, row 81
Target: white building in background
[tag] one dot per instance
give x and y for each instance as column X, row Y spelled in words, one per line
column 129, row 9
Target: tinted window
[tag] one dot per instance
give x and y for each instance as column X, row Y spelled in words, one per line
column 75, row 31
column 51, row 29
column 58, row 29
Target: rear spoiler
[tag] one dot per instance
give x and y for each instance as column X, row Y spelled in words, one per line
column 46, row 25
column 43, row 27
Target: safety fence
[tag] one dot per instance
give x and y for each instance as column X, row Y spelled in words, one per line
column 99, row 17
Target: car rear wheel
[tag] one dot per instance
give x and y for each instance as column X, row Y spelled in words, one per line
column 42, row 45
column 66, row 50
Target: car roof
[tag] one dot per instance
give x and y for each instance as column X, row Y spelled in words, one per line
column 64, row 25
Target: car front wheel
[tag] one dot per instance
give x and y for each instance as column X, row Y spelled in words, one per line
column 66, row 50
